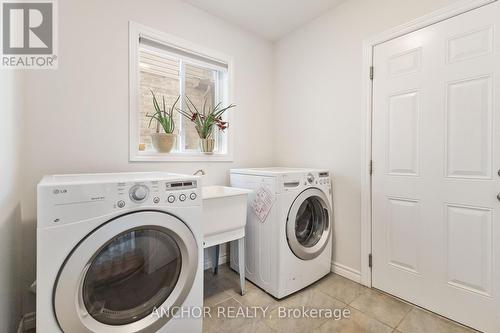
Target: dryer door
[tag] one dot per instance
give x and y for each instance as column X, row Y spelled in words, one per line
column 121, row 276
column 308, row 224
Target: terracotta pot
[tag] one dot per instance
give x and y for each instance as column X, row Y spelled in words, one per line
column 163, row 142
column 207, row 145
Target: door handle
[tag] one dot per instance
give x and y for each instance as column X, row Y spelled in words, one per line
column 498, row 196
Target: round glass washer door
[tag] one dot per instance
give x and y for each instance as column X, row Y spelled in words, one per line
column 124, row 271
column 308, row 225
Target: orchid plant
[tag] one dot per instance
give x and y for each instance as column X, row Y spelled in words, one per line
column 206, row 120
column 163, row 117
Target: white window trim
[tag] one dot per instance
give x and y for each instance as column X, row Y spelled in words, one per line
column 137, row 30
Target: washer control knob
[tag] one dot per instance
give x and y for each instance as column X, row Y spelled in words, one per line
column 120, row 204
column 156, row 200
column 192, row 196
column 182, row 197
column 171, row 198
column 139, row 193
column 310, row 178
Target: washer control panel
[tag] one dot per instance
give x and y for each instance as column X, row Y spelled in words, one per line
column 299, row 181
column 317, row 178
column 324, row 179
column 310, row 178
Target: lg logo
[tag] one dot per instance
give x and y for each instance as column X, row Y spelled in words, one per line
column 28, row 34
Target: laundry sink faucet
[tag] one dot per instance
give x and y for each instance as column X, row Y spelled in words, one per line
column 199, row 172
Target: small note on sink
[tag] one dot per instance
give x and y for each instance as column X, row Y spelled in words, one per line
column 264, row 200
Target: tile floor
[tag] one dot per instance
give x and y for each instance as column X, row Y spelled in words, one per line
column 371, row 311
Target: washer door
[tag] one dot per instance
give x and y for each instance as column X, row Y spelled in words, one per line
column 122, row 274
column 308, row 224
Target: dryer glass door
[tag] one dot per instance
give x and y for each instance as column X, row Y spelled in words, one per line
column 308, row 224
column 131, row 273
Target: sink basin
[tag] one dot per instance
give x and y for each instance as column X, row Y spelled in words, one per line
column 224, row 214
column 216, row 191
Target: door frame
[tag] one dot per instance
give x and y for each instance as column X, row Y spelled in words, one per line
column 437, row 16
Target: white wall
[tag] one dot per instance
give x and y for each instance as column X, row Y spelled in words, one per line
column 10, row 212
column 76, row 117
column 319, row 106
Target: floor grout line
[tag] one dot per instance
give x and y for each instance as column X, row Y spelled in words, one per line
column 349, row 306
column 335, row 298
column 404, row 317
column 373, row 317
column 222, row 301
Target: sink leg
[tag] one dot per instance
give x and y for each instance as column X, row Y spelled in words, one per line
column 241, row 263
column 216, row 259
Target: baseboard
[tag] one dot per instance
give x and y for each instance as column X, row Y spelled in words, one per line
column 223, row 258
column 347, row 272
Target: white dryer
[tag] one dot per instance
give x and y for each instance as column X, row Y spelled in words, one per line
column 292, row 247
column 118, row 253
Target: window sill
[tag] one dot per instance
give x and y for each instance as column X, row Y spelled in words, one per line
column 179, row 157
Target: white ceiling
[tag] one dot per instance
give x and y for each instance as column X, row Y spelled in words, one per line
column 270, row 19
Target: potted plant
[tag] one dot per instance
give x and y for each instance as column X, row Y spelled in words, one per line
column 206, row 122
column 163, row 142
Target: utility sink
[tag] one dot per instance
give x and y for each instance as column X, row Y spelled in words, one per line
column 224, row 214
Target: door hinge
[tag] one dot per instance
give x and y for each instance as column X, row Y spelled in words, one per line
column 371, row 72
column 371, row 167
column 370, row 260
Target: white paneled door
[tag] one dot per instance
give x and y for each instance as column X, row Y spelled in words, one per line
column 436, row 155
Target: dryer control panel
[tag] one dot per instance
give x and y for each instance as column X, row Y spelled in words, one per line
column 157, row 193
column 67, row 203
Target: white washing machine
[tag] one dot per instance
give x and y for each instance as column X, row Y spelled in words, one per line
column 119, row 253
column 292, row 247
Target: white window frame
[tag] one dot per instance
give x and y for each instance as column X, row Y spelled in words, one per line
column 136, row 31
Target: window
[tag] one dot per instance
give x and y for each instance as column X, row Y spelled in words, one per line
column 171, row 67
